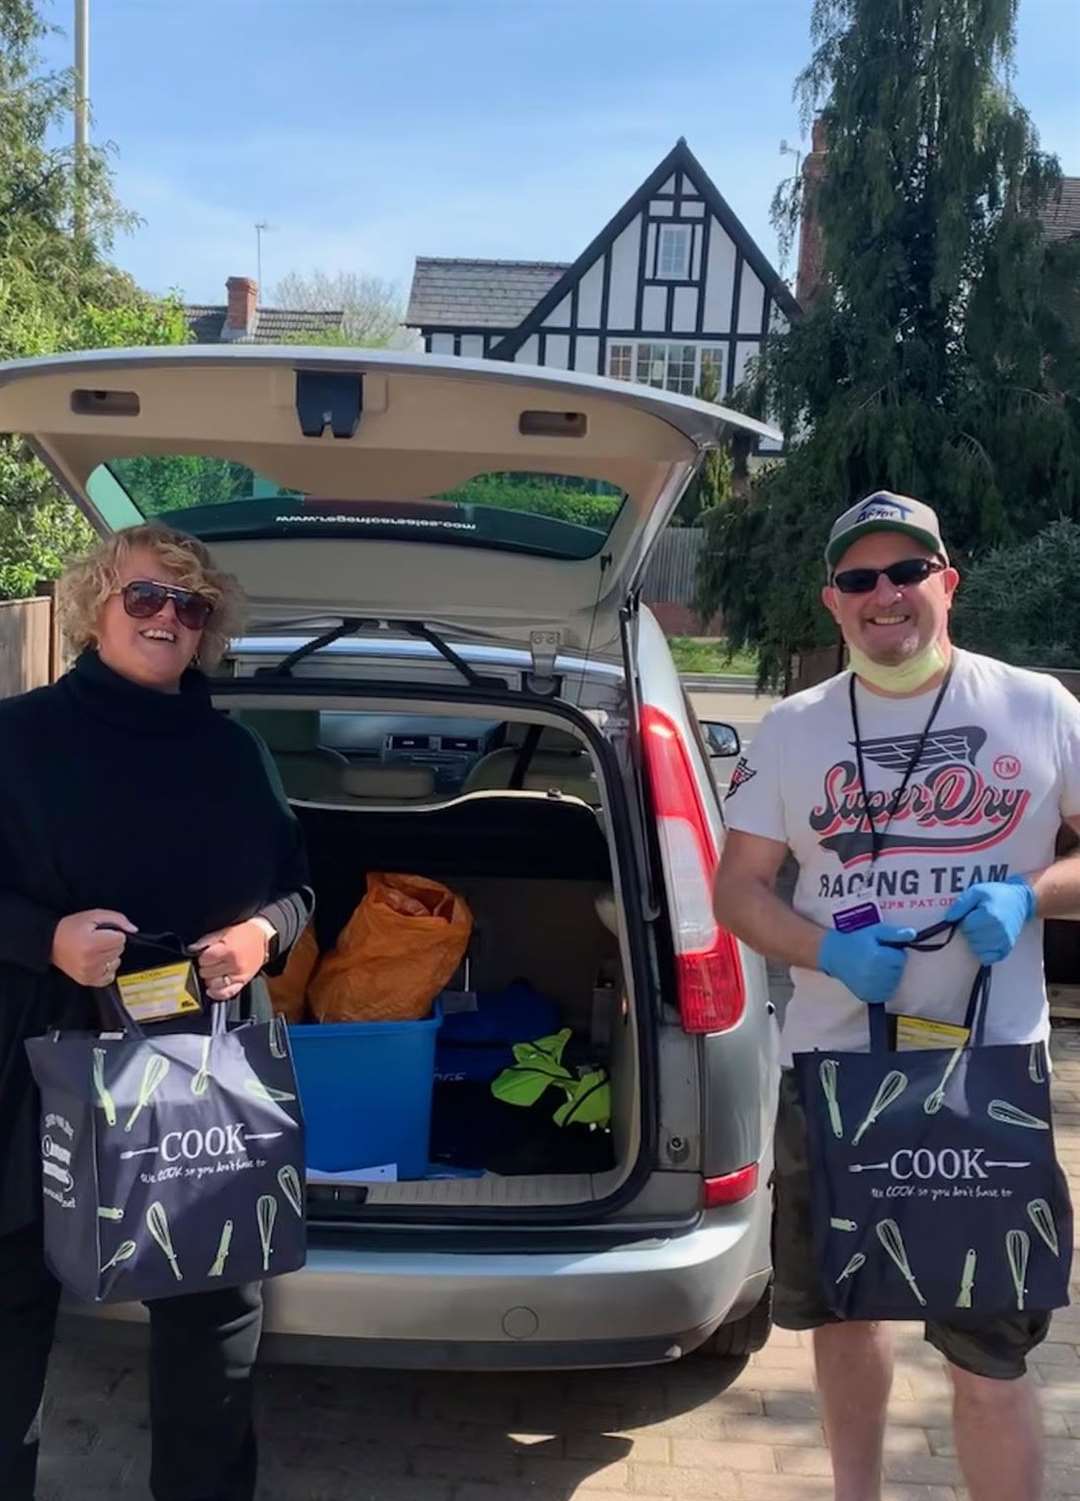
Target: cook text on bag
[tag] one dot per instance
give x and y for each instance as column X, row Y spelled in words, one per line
column 170, row 1164
column 935, row 1187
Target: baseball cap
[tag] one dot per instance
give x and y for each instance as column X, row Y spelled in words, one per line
column 884, row 512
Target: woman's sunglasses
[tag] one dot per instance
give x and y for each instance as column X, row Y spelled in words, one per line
column 143, row 598
column 900, row 575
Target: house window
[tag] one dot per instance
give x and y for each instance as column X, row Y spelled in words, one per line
column 682, row 369
column 673, row 259
column 652, row 365
column 621, row 362
column 668, row 367
column 717, row 359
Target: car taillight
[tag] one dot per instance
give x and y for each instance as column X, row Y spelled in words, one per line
column 712, row 995
column 732, row 1188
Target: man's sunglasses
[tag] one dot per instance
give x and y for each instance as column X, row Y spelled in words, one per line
column 900, row 575
column 143, row 598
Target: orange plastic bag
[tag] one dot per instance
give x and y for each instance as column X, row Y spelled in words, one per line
column 399, row 949
column 288, row 991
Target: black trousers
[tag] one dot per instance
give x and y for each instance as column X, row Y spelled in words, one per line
column 202, row 1350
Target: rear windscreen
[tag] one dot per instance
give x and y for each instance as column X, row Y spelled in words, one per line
column 552, row 515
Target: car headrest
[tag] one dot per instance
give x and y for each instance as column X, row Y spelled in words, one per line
column 398, row 783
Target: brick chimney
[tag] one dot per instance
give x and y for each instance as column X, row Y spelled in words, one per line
column 240, row 314
column 811, row 271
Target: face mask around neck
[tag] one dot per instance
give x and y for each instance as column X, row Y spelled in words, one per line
column 905, row 677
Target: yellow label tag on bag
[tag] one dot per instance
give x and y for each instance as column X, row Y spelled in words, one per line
column 155, row 995
column 925, row 1032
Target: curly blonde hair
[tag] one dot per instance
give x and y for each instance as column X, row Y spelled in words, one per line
column 88, row 582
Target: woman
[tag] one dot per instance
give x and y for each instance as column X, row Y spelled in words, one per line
column 128, row 803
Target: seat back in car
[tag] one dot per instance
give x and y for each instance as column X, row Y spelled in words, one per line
column 559, row 762
column 308, row 770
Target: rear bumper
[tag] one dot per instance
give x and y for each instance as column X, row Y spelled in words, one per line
column 641, row 1302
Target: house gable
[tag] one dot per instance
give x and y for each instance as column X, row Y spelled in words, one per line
column 674, row 274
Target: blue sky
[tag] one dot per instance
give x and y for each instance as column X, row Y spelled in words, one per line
column 371, row 131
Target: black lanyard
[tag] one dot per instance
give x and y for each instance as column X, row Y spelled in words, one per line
column 877, row 836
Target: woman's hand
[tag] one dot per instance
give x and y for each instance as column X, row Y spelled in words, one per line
column 231, row 958
column 87, row 952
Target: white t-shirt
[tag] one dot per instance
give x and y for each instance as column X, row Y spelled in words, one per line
column 999, row 772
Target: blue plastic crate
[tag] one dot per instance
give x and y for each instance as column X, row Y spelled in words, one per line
column 366, row 1092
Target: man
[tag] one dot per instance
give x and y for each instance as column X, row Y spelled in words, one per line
column 927, row 783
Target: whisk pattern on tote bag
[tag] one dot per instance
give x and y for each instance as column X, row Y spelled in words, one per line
column 955, row 1198
column 175, row 1148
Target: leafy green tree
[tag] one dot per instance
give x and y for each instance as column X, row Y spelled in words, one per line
column 941, row 357
column 58, row 291
column 39, row 533
column 712, row 485
column 589, row 503
column 1022, row 602
column 175, row 482
column 38, row 180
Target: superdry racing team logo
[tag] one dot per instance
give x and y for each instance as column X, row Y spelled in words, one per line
column 742, row 774
column 947, row 807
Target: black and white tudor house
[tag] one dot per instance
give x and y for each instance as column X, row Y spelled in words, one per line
column 672, row 281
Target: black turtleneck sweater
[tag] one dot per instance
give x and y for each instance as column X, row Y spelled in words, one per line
column 152, row 804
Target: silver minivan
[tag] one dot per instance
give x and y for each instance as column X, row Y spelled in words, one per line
column 450, row 662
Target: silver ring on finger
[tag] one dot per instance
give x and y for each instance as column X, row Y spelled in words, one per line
column 226, row 979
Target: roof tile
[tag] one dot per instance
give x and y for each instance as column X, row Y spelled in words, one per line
column 272, row 325
column 1061, row 217
column 477, row 293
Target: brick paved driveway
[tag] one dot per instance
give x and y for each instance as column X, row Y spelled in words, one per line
column 673, row 1431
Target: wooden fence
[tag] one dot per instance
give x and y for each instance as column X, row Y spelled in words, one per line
column 30, row 653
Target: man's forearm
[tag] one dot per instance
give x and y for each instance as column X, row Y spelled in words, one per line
column 1057, row 888
column 754, row 913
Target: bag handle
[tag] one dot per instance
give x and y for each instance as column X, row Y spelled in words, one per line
column 925, row 942
column 166, row 943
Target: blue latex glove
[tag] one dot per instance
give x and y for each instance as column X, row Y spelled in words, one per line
column 992, row 915
column 862, row 961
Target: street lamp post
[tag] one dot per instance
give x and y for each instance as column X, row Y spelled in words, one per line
column 82, row 109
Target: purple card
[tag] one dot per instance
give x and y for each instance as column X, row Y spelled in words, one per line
column 863, row 916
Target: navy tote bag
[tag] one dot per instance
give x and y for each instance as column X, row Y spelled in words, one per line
column 935, row 1188
column 171, row 1162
